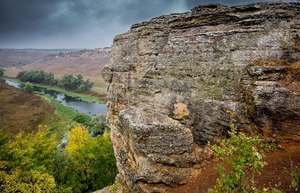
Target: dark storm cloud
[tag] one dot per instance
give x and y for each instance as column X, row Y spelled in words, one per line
column 24, row 15
column 80, row 23
column 193, row 3
column 51, row 15
column 39, row 21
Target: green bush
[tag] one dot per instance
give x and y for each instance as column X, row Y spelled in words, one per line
column 79, row 118
column 295, row 174
column 98, row 124
column 244, row 155
column 28, row 87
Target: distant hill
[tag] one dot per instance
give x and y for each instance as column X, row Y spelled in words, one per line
column 88, row 63
column 85, row 62
column 18, row 58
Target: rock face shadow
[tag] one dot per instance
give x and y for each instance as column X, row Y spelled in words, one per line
column 173, row 79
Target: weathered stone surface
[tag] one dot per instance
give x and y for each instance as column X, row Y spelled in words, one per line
column 153, row 147
column 276, row 107
column 172, row 80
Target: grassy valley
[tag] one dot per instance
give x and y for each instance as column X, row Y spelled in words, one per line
column 88, row 63
column 43, row 146
column 14, row 102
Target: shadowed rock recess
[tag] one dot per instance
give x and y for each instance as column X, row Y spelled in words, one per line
column 173, row 79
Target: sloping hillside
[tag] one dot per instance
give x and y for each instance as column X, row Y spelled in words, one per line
column 85, row 62
column 20, row 111
column 19, row 58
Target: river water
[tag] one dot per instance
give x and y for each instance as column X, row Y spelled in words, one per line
column 89, row 109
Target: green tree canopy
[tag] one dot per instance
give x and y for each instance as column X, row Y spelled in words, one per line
column 28, row 87
column 25, row 162
column 32, row 163
column 92, row 160
column 68, row 81
column 1, row 72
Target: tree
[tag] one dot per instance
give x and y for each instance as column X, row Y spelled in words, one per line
column 38, row 76
column 86, row 85
column 32, row 163
column 78, row 80
column 98, row 124
column 28, row 88
column 1, row 72
column 49, row 79
column 92, row 162
column 67, row 81
column 244, row 156
column 26, row 162
column 20, row 74
column 77, row 138
column 35, row 150
column 79, row 118
column 28, row 181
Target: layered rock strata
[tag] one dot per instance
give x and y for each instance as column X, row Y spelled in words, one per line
column 173, row 80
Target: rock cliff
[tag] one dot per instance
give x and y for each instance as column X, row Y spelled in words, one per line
column 173, row 79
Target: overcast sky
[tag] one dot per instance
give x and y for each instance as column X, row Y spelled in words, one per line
column 81, row 23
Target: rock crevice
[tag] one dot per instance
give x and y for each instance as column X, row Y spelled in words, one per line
column 173, row 79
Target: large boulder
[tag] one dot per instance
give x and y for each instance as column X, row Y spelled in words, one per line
column 173, row 80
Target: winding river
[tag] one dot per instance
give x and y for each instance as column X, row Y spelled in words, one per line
column 79, row 105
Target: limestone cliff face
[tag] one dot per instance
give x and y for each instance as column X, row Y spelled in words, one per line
column 173, row 79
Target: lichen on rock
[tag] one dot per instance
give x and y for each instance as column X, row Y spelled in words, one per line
column 172, row 79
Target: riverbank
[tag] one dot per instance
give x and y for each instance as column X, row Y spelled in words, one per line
column 67, row 112
column 89, row 97
column 66, row 105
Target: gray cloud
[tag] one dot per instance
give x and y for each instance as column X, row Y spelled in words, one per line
column 192, row 3
column 80, row 23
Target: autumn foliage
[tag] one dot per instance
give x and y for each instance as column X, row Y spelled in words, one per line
column 33, row 163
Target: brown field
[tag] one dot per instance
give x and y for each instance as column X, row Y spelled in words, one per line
column 19, row 58
column 20, row 111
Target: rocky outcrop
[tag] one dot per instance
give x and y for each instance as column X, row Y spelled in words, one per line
column 173, row 79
